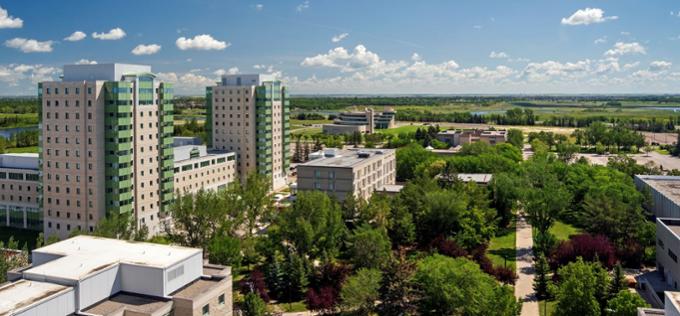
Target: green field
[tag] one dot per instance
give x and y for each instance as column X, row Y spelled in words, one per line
column 562, row 231
column 401, row 129
column 546, row 309
column 502, row 248
column 22, row 150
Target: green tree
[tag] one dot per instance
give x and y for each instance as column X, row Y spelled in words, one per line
column 397, row 293
column 516, row 137
column 225, row 250
column 408, row 158
column 625, row 303
column 253, row 305
column 196, row 219
column 360, row 292
column 295, row 276
column 566, row 151
column 581, row 289
column 313, row 225
column 256, row 203
column 370, row 247
column 449, row 286
column 121, row 226
column 618, row 280
column 541, row 281
column 401, row 228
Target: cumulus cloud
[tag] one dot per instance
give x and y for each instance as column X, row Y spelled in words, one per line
column 86, row 62
column 9, row 22
column 631, row 65
column 343, row 59
column 302, row 6
column 416, row 57
column 587, row 16
column 142, row 49
column 601, row 40
column 660, row 65
column 13, row 74
column 29, row 45
column 339, row 37
column 230, row 71
column 201, row 42
column 621, row 48
column 499, row 55
column 111, row 35
column 191, row 83
column 75, row 36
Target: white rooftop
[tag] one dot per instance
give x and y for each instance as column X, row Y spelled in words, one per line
column 246, row 79
column 22, row 293
column 109, row 72
column 19, row 161
column 344, row 158
column 84, row 255
column 475, row 177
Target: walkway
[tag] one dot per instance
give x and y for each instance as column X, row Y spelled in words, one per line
column 524, row 287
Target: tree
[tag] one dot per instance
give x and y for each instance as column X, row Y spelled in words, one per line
column 313, row 225
column 256, row 203
column 225, row 250
column 625, row 303
column 370, row 247
column 253, row 305
column 566, row 151
column 295, row 276
column 581, row 289
column 516, row 137
column 448, row 287
column 401, row 229
column 397, row 294
column 541, row 281
column 506, row 193
column 618, row 280
column 600, row 149
column 121, row 226
column 408, row 158
column 196, row 219
column 360, row 292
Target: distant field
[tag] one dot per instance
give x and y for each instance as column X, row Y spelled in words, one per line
column 22, row 150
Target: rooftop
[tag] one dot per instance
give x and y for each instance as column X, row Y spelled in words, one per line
column 84, row 255
column 19, row 161
column 108, row 72
column 669, row 186
column 128, row 302
column 245, row 79
column 196, row 288
column 476, row 177
column 184, row 153
column 345, row 158
column 17, row 295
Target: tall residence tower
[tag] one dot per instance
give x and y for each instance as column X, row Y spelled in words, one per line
column 249, row 115
column 106, row 147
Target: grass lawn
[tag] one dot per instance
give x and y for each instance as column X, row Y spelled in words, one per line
column 662, row 151
column 22, row 150
column 21, row 235
column 294, row 307
column 502, row 247
column 562, row 231
column 546, row 309
column 306, row 131
column 402, row 129
column 309, row 122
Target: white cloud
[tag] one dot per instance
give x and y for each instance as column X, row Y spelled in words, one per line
column 201, row 42
column 344, row 60
column 587, row 16
column 553, row 69
column 29, row 45
column 601, row 40
column 499, row 55
column 660, row 65
column 86, row 62
column 477, row 27
column 75, row 36
column 9, row 22
column 416, row 57
column 302, row 6
column 339, row 37
column 624, row 33
column 191, row 83
column 259, row 7
column 631, row 65
column 111, row 35
column 13, row 74
column 621, row 48
column 230, row 71
column 142, row 49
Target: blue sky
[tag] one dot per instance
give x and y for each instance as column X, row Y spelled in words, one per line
column 356, row 46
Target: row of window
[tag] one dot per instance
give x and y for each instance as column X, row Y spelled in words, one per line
column 19, row 176
column 66, row 90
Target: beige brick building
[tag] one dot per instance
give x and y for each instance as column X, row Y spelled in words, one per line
column 197, row 168
column 19, row 191
column 342, row 172
column 248, row 115
column 106, row 147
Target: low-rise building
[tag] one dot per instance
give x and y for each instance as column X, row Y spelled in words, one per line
column 197, row 168
column 350, row 171
column 665, row 193
column 461, row 137
column 366, row 121
column 667, row 250
column 20, row 191
column 87, row 275
column 671, row 306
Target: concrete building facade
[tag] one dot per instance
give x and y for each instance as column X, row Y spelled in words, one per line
column 665, row 193
column 461, row 137
column 249, row 115
column 88, row 275
column 197, row 168
column 19, row 192
column 106, row 147
column 354, row 171
column 366, row 121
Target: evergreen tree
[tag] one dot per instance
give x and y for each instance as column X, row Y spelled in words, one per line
column 317, row 144
column 618, row 280
column 253, row 305
column 297, row 155
column 541, row 281
column 295, row 276
column 306, row 151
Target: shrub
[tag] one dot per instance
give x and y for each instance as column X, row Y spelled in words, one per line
column 448, row 247
column 505, row 275
column 255, row 283
column 589, row 247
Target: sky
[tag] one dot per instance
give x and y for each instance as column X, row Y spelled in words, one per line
column 355, row 46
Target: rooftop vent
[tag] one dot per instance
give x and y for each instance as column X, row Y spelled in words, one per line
column 363, row 154
column 329, row 153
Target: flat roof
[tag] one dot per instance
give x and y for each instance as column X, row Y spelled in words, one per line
column 476, row 177
column 130, row 302
column 17, row 295
column 83, row 255
column 19, row 161
column 669, row 186
column 108, row 71
column 196, row 288
column 392, row 188
column 346, row 158
column 183, row 153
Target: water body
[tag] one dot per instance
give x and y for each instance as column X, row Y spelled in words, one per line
column 674, row 109
column 8, row 132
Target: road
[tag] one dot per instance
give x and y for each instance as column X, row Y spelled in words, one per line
column 666, row 161
column 524, row 287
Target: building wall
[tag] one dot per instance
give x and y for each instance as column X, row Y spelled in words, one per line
column 99, row 286
column 194, row 307
column 62, row 304
column 337, row 129
column 192, row 269
column 667, row 250
column 19, row 199
column 212, row 172
column 662, row 205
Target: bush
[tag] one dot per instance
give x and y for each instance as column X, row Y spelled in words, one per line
column 505, row 275
column 589, row 247
column 322, row 300
column 254, row 306
column 448, row 247
column 255, row 283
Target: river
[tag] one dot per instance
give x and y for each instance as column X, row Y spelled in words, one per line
column 8, row 132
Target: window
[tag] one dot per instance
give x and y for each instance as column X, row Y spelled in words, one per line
column 206, row 310
column 175, row 273
column 220, row 299
column 672, row 255
column 660, row 243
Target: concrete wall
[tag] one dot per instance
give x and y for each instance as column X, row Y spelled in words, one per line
column 142, row 280
column 667, row 241
column 62, row 304
column 193, row 269
column 38, row 258
column 662, row 206
column 100, row 286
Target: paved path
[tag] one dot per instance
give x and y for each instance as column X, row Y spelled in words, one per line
column 524, row 289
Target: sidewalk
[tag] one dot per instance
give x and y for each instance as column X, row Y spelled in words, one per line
column 524, row 290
